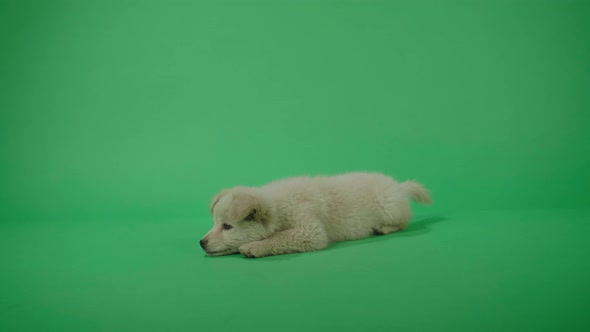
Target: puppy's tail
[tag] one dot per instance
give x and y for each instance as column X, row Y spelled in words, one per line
column 417, row 192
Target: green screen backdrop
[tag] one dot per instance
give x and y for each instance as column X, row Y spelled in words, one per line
column 119, row 120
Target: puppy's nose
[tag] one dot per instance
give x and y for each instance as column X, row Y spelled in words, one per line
column 203, row 243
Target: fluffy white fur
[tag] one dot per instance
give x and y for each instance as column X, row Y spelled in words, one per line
column 307, row 213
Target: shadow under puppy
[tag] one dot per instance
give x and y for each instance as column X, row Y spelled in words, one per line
column 307, row 213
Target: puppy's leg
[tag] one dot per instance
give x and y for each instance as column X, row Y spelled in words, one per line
column 293, row 240
column 386, row 229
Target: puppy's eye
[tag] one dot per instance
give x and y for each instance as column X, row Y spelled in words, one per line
column 227, row 226
column 251, row 216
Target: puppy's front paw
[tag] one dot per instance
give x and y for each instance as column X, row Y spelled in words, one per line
column 253, row 250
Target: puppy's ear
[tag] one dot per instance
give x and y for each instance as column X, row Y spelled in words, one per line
column 216, row 199
column 246, row 208
column 253, row 215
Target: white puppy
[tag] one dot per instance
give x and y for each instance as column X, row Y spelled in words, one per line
column 307, row 213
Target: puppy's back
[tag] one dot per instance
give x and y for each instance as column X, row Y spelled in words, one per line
column 338, row 201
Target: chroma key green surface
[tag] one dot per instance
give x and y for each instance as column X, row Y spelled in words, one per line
column 119, row 120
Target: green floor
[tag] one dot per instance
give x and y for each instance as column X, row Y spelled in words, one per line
column 489, row 271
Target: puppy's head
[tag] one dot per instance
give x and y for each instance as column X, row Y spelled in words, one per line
column 240, row 215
